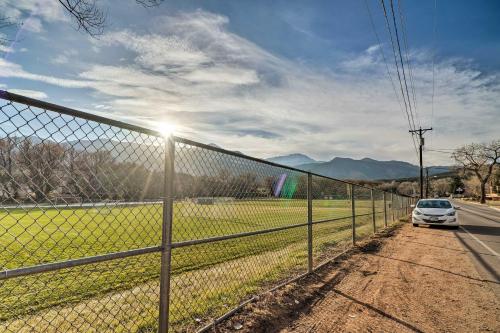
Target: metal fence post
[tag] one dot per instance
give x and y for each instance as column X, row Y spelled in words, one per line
column 392, row 207
column 309, row 225
column 373, row 212
column 166, row 235
column 385, row 211
column 353, row 212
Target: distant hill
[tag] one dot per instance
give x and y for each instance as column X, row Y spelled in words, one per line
column 292, row 160
column 339, row 167
column 348, row 168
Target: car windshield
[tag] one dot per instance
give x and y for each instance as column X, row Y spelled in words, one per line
column 434, row 204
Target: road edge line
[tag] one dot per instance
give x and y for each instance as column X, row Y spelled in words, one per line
column 481, row 243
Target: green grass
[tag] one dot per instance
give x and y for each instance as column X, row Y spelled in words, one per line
column 222, row 272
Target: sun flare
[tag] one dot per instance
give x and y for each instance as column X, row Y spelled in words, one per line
column 166, row 129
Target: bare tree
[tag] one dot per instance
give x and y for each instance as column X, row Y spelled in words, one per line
column 41, row 163
column 149, row 3
column 479, row 159
column 91, row 18
column 96, row 175
column 87, row 15
column 442, row 187
column 407, row 188
column 9, row 186
column 5, row 22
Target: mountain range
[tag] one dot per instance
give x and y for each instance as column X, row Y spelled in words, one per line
column 196, row 162
column 348, row 168
column 293, row 160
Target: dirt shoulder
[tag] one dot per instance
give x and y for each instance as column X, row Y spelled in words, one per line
column 411, row 280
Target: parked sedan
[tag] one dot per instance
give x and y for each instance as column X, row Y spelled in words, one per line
column 435, row 212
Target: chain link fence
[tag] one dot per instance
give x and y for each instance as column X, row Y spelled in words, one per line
column 109, row 227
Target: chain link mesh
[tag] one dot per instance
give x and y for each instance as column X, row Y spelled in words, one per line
column 81, row 214
column 218, row 194
column 71, row 189
column 332, row 222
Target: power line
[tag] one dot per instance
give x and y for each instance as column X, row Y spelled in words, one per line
column 399, row 75
column 439, row 151
column 383, row 55
column 407, row 56
column 433, row 61
column 387, row 65
column 396, row 61
column 401, row 60
column 451, row 149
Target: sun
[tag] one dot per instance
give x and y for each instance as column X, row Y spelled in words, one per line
column 166, row 129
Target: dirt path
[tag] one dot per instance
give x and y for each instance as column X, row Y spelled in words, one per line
column 420, row 280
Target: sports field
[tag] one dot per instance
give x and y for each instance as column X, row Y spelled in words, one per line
column 122, row 295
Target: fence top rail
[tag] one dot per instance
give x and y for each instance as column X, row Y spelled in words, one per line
column 75, row 113
column 111, row 122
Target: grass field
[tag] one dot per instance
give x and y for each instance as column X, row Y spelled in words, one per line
column 122, row 295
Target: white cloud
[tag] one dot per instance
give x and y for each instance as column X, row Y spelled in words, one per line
column 374, row 48
column 223, row 74
column 60, row 59
column 155, row 51
column 32, row 24
column 9, row 69
column 48, row 10
column 6, row 49
column 102, row 106
column 222, row 88
column 29, row 93
column 63, row 58
column 31, row 13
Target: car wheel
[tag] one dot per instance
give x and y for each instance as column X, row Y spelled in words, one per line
column 415, row 224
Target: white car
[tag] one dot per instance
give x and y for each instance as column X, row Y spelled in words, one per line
column 435, row 212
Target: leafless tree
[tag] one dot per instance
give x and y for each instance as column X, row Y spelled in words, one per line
column 441, row 187
column 479, row 159
column 95, row 175
column 90, row 17
column 5, row 22
column 9, row 186
column 149, row 3
column 407, row 188
column 87, row 15
column 40, row 164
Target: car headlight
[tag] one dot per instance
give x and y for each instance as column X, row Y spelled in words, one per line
column 451, row 213
column 417, row 212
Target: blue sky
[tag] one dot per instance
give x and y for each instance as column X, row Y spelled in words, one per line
column 267, row 78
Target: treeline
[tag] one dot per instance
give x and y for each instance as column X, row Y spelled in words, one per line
column 43, row 170
column 35, row 170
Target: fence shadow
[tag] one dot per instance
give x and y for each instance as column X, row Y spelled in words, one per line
column 437, row 269
column 380, row 312
column 448, row 248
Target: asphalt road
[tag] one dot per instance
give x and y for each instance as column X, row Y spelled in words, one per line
column 479, row 234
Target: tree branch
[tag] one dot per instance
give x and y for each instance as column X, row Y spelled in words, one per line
column 87, row 15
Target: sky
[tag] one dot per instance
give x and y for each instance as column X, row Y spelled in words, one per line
column 268, row 78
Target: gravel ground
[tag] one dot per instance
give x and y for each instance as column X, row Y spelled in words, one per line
column 410, row 280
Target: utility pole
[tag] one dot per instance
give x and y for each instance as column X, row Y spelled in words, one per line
column 421, row 132
column 427, row 182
